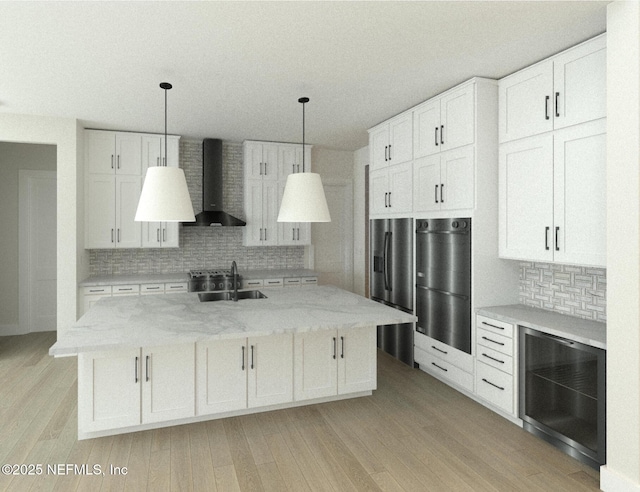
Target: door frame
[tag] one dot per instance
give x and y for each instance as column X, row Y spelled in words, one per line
column 24, row 244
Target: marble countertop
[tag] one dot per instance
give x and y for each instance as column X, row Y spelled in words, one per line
column 579, row 330
column 137, row 321
column 153, row 278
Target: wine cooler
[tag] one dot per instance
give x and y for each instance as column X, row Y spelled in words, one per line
column 562, row 394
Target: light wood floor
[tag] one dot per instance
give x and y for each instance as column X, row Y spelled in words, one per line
column 414, row 433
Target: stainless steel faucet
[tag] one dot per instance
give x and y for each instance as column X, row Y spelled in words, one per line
column 234, row 273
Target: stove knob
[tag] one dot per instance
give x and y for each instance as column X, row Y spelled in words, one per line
column 221, row 285
column 455, row 224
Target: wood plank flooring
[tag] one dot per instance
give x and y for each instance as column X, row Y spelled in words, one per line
column 413, row 434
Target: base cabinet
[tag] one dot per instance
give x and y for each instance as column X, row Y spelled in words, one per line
column 130, row 387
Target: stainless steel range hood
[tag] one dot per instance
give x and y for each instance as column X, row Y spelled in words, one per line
column 212, row 213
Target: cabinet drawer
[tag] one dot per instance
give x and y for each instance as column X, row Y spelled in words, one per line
column 292, row 281
column 273, row 282
column 495, row 386
column 97, row 290
column 442, row 351
column 309, row 280
column 443, row 369
column 495, row 359
column 132, row 289
column 493, row 340
column 490, row 324
column 152, row 289
column 248, row 284
column 175, row 287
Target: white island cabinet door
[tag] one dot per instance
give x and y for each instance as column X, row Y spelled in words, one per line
column 315, row 364
column 270, row 370
column 168, row 385
column 221, row 374
column 356, row 359
column 108, row 390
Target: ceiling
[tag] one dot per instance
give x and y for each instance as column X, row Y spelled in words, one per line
column 238, row 68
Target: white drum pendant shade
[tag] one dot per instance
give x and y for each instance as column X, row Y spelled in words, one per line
column 165, row 197
column 304, row 200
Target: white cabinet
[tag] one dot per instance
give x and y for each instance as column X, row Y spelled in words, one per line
column 553, row 197
column 258, row 371
column 445, row 122
column 497, row 364
column 444, row 181
column 391, row 142
column 565, row 90
column 113, row 152
column 443, row 361
column 129, row 387
column 334, row 362
column 266, row 168
column 391, row 190
column 160, row 234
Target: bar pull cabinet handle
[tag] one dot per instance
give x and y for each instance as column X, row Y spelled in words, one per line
column 546, row 107
column 342, row 347
column 492, row 358
column 293, row 168
column 293, row 234
column 385, row 200
column 111, row 161
column 439, row 350
column 298, row 229
column 442, row 134
column 164, row 162
column 441, row 193
column 493, row 326
column 436, row 136
column 265, row 233
column 261, row 169
column 557, row 247
column 157, row 161
column 437, row 194
column 265, row 168
column 557, row 112
column 118, row 234
column 335, row 349
column 385, row 153
column 389, row 199
column 494, row 385
column 164, row 234
column 252, row 366
column 389, row 151
column 243, row 357
column 158, row 235
column 439, row 367
column 546, row 238
column 146, row 367
column 118, row 161
column 261, row 234
column 492, row 341
column 136, row 371
column 111, row 235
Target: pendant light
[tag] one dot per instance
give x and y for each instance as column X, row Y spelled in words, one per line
column 165, row 196
column 303, row 199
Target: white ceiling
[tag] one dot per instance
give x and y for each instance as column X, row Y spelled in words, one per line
column 238, row 68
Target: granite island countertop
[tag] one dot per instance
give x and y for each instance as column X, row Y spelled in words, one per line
column 125, row 322
column 579, row 330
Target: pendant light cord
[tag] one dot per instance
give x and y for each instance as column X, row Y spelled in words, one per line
column 303, row 100
column 165, row 127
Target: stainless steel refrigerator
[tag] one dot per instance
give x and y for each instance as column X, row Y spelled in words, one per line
column 391, row 281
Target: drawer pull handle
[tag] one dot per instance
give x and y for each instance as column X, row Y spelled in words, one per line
column 494, row 385
column 492, row 358
column 96, row 290
column 439, row 350
column 441, row 368
column 153, row 288
column 123, row 290
column 493, row 341
column 493, row 326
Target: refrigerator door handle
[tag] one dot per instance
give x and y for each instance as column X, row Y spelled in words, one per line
column 384, row 260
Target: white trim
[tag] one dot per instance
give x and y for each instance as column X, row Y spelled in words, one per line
column 614, row 482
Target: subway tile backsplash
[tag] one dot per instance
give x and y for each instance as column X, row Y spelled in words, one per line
column 573, row 290
column 201, row 247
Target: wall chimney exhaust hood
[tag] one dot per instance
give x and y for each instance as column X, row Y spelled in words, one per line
column 212, row 213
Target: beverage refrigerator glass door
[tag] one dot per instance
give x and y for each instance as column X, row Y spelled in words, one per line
column 443, row 280
column 562, row 394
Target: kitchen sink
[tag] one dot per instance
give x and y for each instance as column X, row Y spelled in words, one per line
column 228, row 296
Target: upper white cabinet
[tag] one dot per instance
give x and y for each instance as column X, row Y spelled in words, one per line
column 267, row 166
column 160, row 234
column 391, row 142
column 116, row 163
column 553, row 196
column 565, row 90
column 391, row 189
column 444, row 123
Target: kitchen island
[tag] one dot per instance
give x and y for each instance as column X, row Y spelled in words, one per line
column 152, row 361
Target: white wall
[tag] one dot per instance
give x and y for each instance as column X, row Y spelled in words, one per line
column 64, row 134
column 15, row 157
column 360, row 160
column 622, row 471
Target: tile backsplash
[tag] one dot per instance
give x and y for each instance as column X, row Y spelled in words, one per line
column 201, row 247
column 573, row 290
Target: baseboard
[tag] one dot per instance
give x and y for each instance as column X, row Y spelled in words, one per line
column 610, row 481
column 9, row 330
